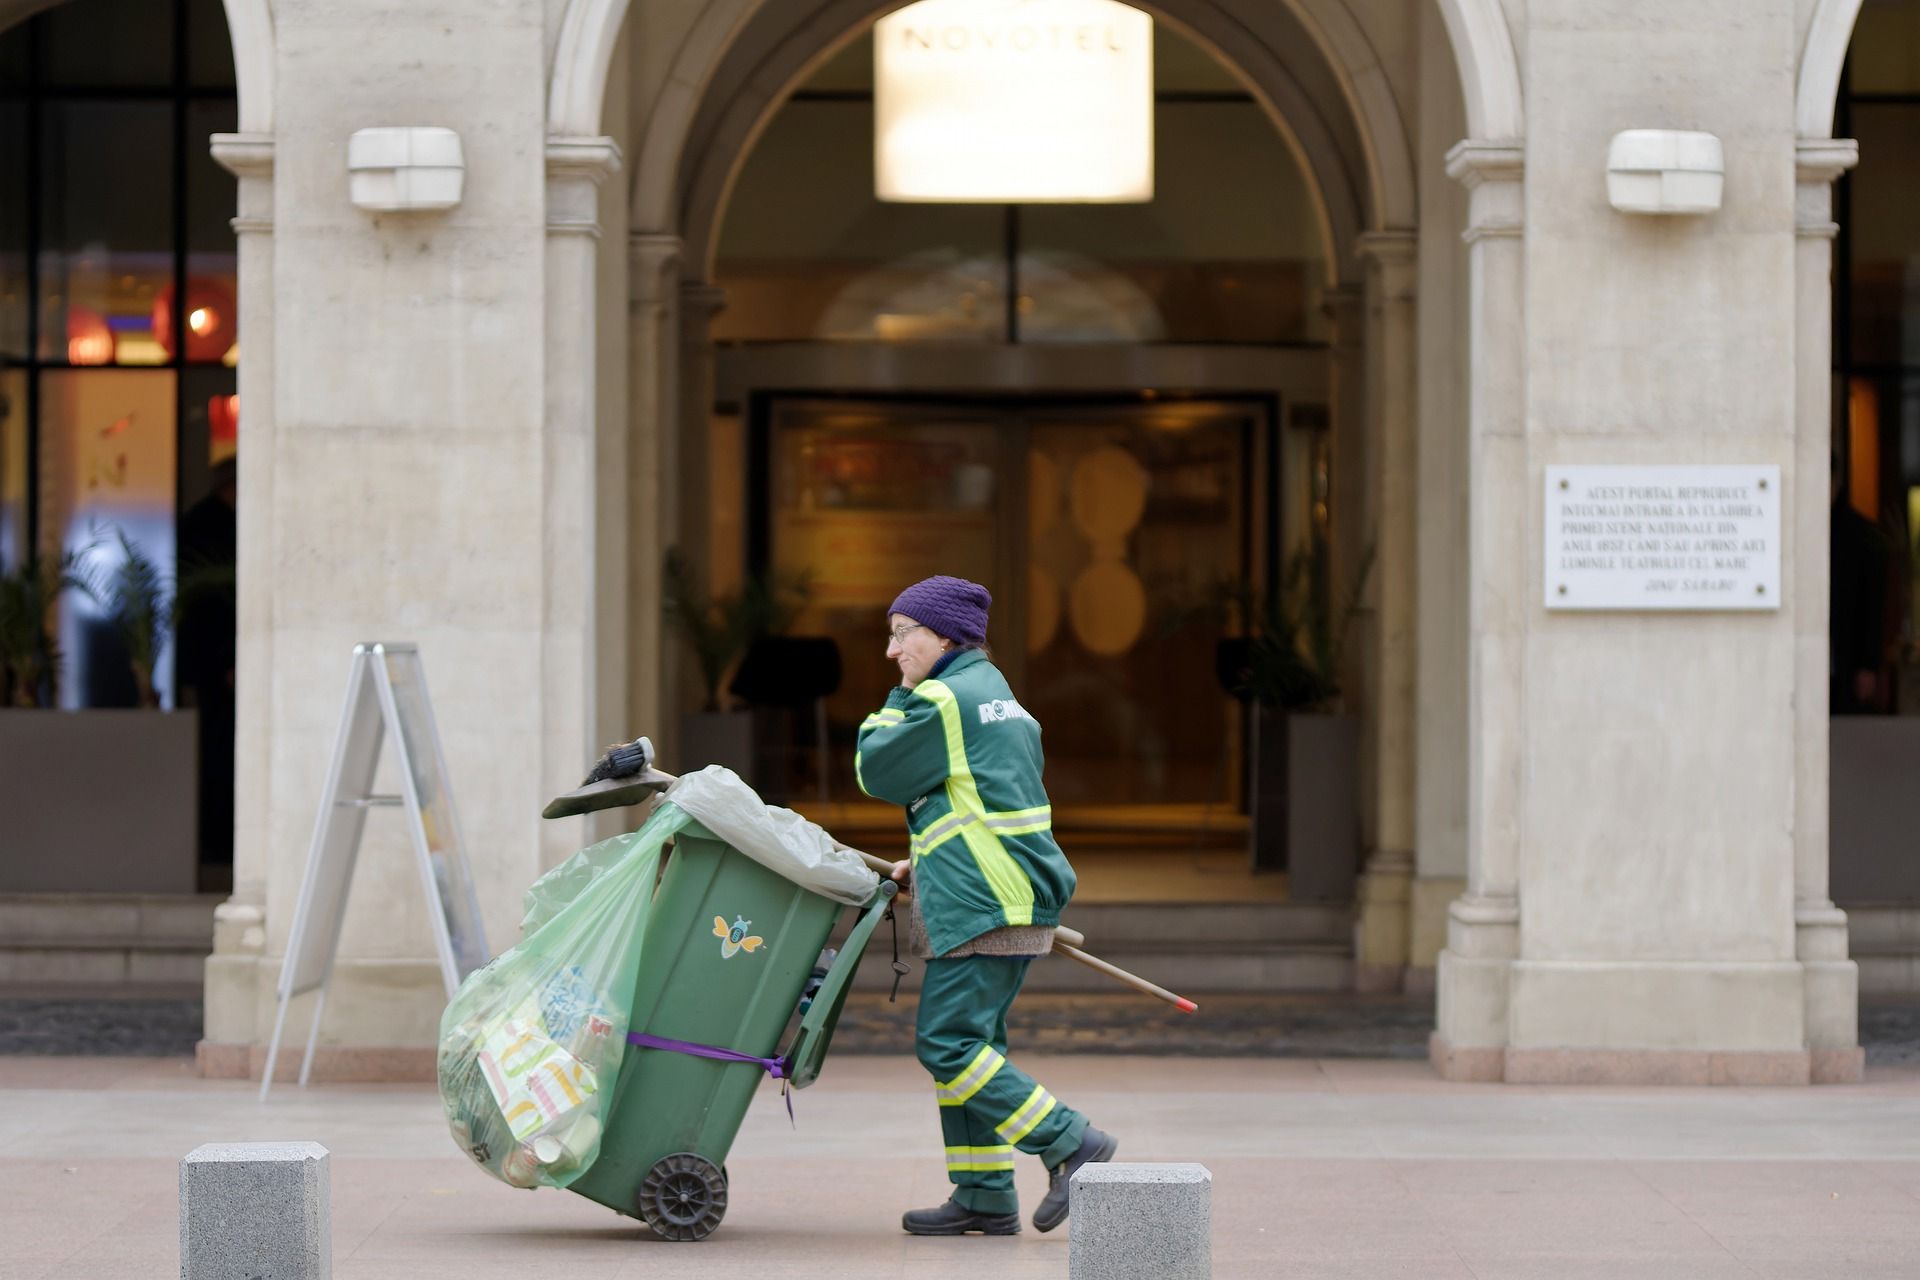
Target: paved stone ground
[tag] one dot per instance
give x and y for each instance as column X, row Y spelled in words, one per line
column 1322, row 1168
column 1306, row 1026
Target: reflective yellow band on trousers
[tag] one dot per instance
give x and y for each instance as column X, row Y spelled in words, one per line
column 1030, row 1113
column 985, row 1065
column 979, row 1159
column 1003, row 875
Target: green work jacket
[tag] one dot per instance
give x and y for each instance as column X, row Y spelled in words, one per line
column 963, row 758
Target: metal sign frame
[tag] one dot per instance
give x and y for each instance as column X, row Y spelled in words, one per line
column 386, row 698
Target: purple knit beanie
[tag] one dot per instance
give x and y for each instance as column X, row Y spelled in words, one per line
column 953, row 607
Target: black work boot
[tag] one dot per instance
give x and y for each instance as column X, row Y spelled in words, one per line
column 1094, row 1148
column 951, row 1219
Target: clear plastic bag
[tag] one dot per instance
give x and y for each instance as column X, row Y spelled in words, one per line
column 778, row 839
column 531, row 1045
column 550, row 894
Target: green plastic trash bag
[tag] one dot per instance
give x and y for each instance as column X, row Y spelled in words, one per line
column 530, row 1046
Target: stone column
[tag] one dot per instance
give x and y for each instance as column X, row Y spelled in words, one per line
column 1440, row 773
column 1392, row 411
column 579, row 716
column 1348, row 501
column 1820, row 928
column 239, row 923
column 1483, row 925
column 653, row 267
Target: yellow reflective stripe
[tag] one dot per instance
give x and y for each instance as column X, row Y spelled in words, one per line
column 943, row 830
column 979, row 1159
column 985, row 1066
column 883, row 718
column 1031, row 1113
column 1002, row 874
column 1021, row 822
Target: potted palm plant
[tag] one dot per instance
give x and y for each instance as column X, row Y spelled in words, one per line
column 141, row 607
column 1286, row 664
column 29, row 655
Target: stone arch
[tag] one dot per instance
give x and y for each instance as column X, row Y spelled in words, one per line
column 1489, row 69
column 249, row 28
column 1482, row 46
column 1821, row 59
column 582, row 58
column 1334, row 161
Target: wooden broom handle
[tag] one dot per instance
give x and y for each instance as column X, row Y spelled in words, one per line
column 1066, row 942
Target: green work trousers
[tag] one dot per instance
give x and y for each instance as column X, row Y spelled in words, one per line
column 989, row 1108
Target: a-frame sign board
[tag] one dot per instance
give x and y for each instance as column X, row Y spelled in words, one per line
column 386, row 699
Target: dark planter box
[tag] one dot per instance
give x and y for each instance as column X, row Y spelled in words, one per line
column 1305, row 802
column 716, row 737
column 1874, row 809
column 99, row 802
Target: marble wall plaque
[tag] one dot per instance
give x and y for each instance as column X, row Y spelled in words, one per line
column 1662, row 537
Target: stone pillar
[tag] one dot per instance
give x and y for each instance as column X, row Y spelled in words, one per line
column 581, row 717
column 1348, row 501
column 1820, row 928
column 1392, row 412
column 1483, row 925
column 239, row 923
column 401, row 480
column 653, row 266
column 1440, row 799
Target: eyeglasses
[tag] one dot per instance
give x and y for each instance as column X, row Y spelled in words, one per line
column 900, row 634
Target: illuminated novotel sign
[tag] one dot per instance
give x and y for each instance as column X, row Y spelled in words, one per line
column 1014, row 101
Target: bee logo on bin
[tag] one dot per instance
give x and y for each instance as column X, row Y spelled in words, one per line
column 734, row 937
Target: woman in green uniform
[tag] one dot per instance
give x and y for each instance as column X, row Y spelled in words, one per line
column 987, row 882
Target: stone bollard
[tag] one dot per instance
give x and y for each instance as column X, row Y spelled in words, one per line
column 255, row 1209
column 1141, row 1222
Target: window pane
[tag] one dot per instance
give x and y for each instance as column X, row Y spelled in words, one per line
column 209, row 48
column 1188, row 266
column 106, row 253
column 808, row 252
column 1885, row 54
column 867, row 499
column 213, row 291
column 13, row 467
column 209, row 428
column 13, row 231
column 109, row 43
column 1131, row 517
column 1884, row 235
column 16, row 54
column 107, row 467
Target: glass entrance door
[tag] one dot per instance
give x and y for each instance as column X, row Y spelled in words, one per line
column 1097, row 527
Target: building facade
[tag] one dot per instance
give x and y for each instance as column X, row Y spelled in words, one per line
column 1381, row 288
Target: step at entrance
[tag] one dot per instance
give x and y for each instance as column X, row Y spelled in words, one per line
column 105, row 943
column 1185, row 946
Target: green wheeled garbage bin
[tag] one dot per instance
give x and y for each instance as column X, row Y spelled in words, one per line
column 729, row 950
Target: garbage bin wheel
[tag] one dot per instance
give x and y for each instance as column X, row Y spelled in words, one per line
column 683, row 1197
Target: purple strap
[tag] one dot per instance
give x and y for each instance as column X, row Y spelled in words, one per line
column 775, row 1067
